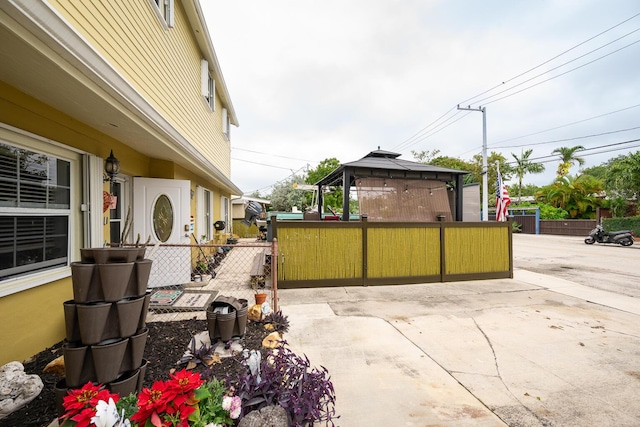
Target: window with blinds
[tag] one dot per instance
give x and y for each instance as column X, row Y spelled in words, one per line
column 35, row 194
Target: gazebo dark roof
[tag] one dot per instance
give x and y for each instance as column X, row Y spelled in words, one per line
column 386, row 164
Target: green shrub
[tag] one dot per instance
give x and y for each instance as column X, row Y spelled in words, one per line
column 549, row 212
column 624, row 223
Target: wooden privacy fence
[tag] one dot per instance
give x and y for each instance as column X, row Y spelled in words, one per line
column 320, row 253
column 568, row 227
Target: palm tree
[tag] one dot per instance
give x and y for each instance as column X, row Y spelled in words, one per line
column 568, row 158
column 525, row 166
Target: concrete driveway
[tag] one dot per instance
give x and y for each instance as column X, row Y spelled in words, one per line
column 535, row 350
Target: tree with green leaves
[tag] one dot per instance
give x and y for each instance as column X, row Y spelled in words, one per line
column 524, row 165
column 579, row 196
column 433, row 158
column 506, row 171
column 568, row 158
column 622, row 182
column 324, row 168
column 529, row 190
column 623, row 176
column 284, row 196
column 474, row 167
column 599, row 171
column 333, row 196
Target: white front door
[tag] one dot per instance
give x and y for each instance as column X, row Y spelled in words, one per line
column 161, row 213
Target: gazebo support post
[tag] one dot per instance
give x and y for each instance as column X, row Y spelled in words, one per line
column 346, row 188
column 459, row 198
column 320, row 201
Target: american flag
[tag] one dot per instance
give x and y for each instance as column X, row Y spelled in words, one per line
column 502, row 199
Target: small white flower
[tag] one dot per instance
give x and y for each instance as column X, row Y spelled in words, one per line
column 107, row 415
column 226, row 403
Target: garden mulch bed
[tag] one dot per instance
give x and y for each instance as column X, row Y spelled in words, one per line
column 166, row 344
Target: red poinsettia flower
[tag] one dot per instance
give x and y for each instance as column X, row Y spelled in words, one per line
column 80, row 404
column 154, row 400
column 186, row 381
column 170, row 402
column 83, row 419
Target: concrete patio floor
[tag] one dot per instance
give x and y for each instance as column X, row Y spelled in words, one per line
column 530, row 351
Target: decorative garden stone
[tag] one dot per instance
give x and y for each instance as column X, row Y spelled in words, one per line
column 55, row 367
column 269, row 416
column 17, row 388
column 254, row 313
column 272, row 340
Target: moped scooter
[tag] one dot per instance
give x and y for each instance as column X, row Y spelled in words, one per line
column 622, row 237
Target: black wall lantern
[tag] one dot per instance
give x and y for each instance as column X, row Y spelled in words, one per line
column 111, row 167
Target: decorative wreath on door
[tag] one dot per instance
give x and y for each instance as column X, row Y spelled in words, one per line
column 106, row 201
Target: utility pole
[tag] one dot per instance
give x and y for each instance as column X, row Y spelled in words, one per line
column 485, row 197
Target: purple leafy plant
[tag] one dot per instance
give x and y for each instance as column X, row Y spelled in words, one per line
column 288, row 380
column 196, row 355
column 278, row 320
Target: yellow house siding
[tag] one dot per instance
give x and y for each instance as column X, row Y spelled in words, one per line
column 33, row 320
column 32, row 335
column 25, row 112
column 216, row 193
column 130, row 37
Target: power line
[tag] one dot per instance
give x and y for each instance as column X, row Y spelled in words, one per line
column 521, row 90
column 552, row 159
column 555, row 156
column 282, row 180
column 419, row 136
column 567, row 139
column 435, row 131
column 261, row 164
column 271, row 154
column 555, row 77
column 568, row 124
column 423, row 129
column 549, row 60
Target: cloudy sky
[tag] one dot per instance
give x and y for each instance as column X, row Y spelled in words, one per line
column 317, row 79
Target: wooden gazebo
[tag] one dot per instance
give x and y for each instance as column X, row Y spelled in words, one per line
column 394, row 189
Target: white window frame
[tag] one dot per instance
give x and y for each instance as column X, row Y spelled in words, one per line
column 224, row 213
column 204, row 212
column 25, row 140
column 226, row 124
column 207, row 85
column 164, row 9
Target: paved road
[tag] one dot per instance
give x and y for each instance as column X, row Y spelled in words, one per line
column 608, row 267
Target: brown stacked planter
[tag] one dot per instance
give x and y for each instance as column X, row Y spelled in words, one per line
column 226, row 326
column 106, row 321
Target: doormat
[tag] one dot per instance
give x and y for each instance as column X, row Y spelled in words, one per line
column 165, row 297
column 185, row 301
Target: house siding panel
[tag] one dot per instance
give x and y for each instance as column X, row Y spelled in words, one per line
column 130, row 37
